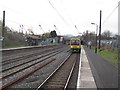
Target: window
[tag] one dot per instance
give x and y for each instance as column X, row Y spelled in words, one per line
column 75, row 42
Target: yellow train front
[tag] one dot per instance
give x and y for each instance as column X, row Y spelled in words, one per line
column 75, row 45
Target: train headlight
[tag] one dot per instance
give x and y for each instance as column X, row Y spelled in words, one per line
column 71, row 46
column 78, row 47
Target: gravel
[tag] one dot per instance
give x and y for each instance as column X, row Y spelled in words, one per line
column 73, row 80
column 38, row 77
column 24, row 71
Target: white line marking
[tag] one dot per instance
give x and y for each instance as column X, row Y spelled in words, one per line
column 78, row 80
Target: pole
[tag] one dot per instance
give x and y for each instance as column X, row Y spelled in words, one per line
column 41, row 28
column 56, row 29
column 100, row 29
column 3, row 30
column 96, row 39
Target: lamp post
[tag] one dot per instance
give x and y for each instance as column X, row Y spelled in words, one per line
column 41, row 28
column 96, row 37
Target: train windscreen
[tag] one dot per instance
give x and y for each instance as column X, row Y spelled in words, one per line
column 75, row 42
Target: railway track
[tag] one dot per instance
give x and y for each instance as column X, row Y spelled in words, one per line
column 26, row 54
column 9, row 84
column 13, row 52
column 28, row 68
column 24, row 60
column 20, row 67
column 60, row 78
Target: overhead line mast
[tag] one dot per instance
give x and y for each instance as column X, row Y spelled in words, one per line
column 76, row 29
column 3, row 30
column 56, row 29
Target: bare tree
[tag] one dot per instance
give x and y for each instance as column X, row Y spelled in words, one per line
column 106, row 34
column 88, row 36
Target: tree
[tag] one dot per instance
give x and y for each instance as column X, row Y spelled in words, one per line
column 88, row 36
column 106, row 34
column 53, row 33
column 45, row 35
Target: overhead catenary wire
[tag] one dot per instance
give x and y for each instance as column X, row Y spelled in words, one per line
column 66, row 11
column 18, row 13
column 20, row 25
column 58, row 13
column 70, row 17
column 32, row 18
column 16, row 22
column 10, row 20
column 21, row 15
column 110, row 14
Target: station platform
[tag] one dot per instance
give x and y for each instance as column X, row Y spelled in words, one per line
column 85, row 76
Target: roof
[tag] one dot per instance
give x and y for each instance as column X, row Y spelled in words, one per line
column 75, row 38
column 33, row 36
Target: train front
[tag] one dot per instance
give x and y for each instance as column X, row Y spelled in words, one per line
column 75, row 45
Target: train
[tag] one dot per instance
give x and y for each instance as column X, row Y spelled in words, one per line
column 75, row 45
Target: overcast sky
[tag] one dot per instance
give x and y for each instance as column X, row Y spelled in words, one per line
column 64, row 14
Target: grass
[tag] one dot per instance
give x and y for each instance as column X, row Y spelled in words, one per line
column 13, row 44
column 109, row 54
